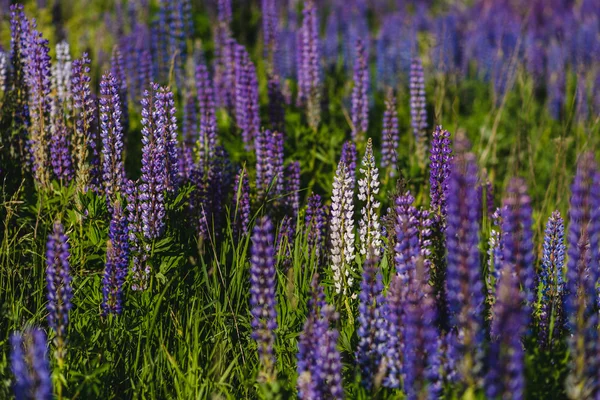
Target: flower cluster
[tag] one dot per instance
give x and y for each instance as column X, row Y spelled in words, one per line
column 61, row 72
column 117, row 262
column 30, row 366
column 308, row 62
column 390, row 136
column 439, row 170
column 246, row 97
column 316, row 225
column 369, row 227
column 418, row 113
column 360, row 99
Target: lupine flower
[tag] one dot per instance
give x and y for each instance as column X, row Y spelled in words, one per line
column 407, row 247
column 506, row 376
column 418, row 113
column 241, row 203
column 19, row 34
column 3, row 71
column 360, row 99
column 117, row 261
column 390, row 137
column 464, row 285
column 177, row 37
column 329, row 356
column 60, row 156
column 349, row 157
column 391, row 353
column 58, row 281
column 189, row 134
column 263, row 288
column 276, row 104
column 370, row 321
column 582, row 277
column 552, row 281
column 309, row 74
column 111, row 133
column 85, row 108
column 61, row 72
column 246, row 97
column 117, row 69
column 316, row 225
column 140, row 271
column 439, row 170
column 39, row 84
column 517, row 239
column 171, row 142
column 208, row 122
column 421, row 338
column 269, row 25
column 30, row 366
column 556, row 80
column 292, row 188
column 153, row 164
column 368, row 187
column 342, row 229
column 495, row 254
column 269, row 163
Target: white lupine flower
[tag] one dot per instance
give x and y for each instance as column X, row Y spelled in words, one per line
column 342, row 229
column 61, row 71
column 369, row 227
column 3, row 67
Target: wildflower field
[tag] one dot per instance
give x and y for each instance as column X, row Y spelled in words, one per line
column 314, row 199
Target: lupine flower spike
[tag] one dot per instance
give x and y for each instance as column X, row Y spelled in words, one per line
column 58, row 280
column 30, row 366
column 439, row 171
column 360, row 99
column 390, row 136
column 418, row 112
column 368, row 188
column 117, row 261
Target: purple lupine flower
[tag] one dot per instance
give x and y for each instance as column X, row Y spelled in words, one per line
column 117, row 261
column 276, row 104
column 421, row 338
column 316, row 225
column 117, row 70
column 390, row 136
column 58, row 281
column 19, row 34
column 140, row 271
column 85, row 107
column 284, row 243
column 246, row 97
column 153, row 164
column 506, row 375
column 61, row 72
column 171, row 142
column 39, row 85
column 241, row 204
column 269, row 25
column 556, row 80
column 60, row 156
column 360, row 99
column 349, row 156
column 418, row 112
column 370, row 319
column 269, row 163
column 331, row 45
column 517, row 239
column 407, row 249
column 145, row 73
column 30, row 366
column 224, row 11
column 552, row 281
column 177, row 37
column 309, row 73
column 111, row 133
column 582, row 277
column 439, row 170
column 392, row 333
column 292, row 188
column 263, row 288
column 206, row 109
column 464, row 285
column 189, row 134
column 329, row 356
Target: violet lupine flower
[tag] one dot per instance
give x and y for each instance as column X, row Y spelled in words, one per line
column 582, row 277
column 276, row 104
column 316, row 225
column 349, row 157
column 369, row 227
column 390, row 137
column 370, row 321
column 30, row 366
column 421, row 361
column 39, row 85
column 263, row 288
column 154, row 171
column 171, row 142
column 85, row 109
column 439, row 170
column 61, row 72
column 269, row 163
column 19, row 34
column 246, row 97
column 117, row 70
column 506, row 376
column 111, row 133
column 241, row 204
column 309, row 73
column 292, row 188
column 342, row 229
column 407, row 249
column 189, row 134
column 177, row 38
column 329, row 356
column 207, row 140
column 140, row 269
column 391, row 333
column 60, row 156
column 117, row 261
column 360, row 99
column 418, row 113
column 552, row 281
column 269, row 25
column 464, row 285
column 58, row 281
column 517, row 239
